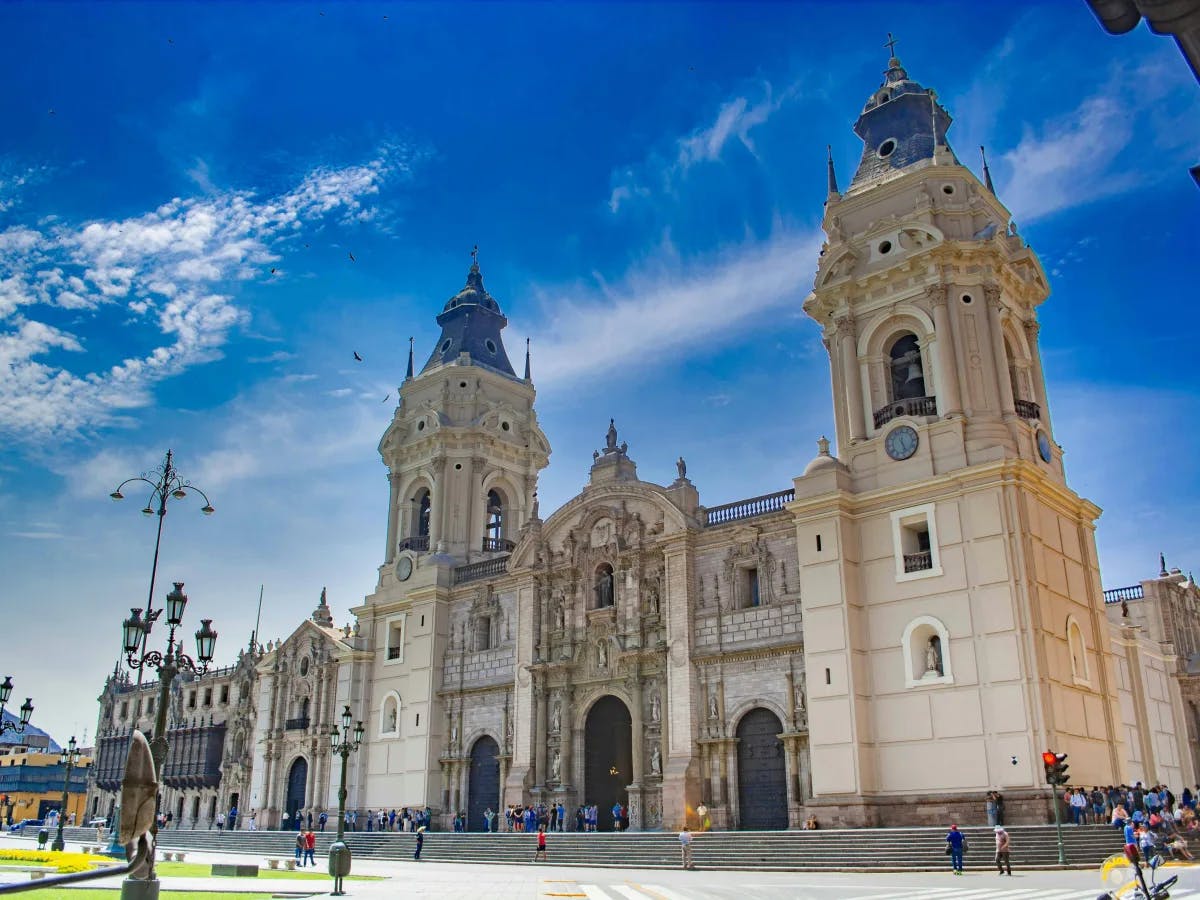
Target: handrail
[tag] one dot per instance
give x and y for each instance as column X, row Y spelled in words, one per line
column 745, row 509
column 484, row 569
column 1119, row 595
column 107, row 872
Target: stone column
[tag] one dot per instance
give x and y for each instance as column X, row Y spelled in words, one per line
column 996, row 327
column 389, row 552
column 852, row 377
column 539, row 750
column 950, row 400
column 564, row 736
column 1035, row 359
column 439, row 515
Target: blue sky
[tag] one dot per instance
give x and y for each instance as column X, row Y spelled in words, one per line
column 645, row 185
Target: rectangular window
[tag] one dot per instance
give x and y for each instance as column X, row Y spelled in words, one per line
column 137, row 707
column 149, row 706
column 208, row 696
column 483, row 633
column 752, row 598
column 828, row 677
column 224, row 693
column 124, row 708
column 914, row 539
column 191, row 699
column 394, row 638
column 818, row 543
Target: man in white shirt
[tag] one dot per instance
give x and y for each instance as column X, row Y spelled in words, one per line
column 685, row 847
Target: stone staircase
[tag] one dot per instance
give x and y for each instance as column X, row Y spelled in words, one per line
column 876, row 849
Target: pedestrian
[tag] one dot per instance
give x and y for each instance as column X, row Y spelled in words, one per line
column 685, row 847
column 1003, row 864
column 322, row 819
column 956, row 844
column 301, row 845
column 231, row 820
column 420, row 843
column 299, row 821
column 541, row 844
column 310, row 847
column 991, row 809
column 220, row 821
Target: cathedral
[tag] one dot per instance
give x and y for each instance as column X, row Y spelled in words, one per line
column 901, row 630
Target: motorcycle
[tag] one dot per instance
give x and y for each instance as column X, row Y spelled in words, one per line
column 1155, row 890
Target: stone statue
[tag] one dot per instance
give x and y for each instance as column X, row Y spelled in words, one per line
column 610, row 439
column 560, row 614
column 655, row 761
column 453, row 735
column 933, row 656
column 556, row 716
column 602, row 654
column 139, row 792
column 604, row 589
column 652, row 600
column 391, row 719
column 508, row 732
column 681, row 468
column 712, row 705
column 655, row 712
column 556, row 766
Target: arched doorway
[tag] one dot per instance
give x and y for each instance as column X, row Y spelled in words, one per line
column 297, row 779
column 483, row 783
column 607, row 757
column 762, row 779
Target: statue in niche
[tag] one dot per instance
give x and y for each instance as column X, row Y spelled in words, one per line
column 933, row 656
column 508, row 732
column 712, row 705
column 655, row 711
column 652, row 599
column 391, row 719
column 556, row 716
column 681, row 468
column 556, row 766
column 560, row 614
column 604, row 588
column 602, row 655
column 453, row 735
column 655, row 761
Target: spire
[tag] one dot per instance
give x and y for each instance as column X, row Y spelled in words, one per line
column 987, row 175
column 409, row 373
column 527, row 377
column 833, row 188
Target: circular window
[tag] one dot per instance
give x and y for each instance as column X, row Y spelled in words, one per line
column 457, row 467
column 504, row 426
column 947, row 189
column 887, row 148
column 491, row 345
column 967, row 298
column 885, row 246
column 445, row 345
column 462, row 384
column 421, row 425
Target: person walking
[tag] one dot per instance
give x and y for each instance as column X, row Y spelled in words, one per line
column 685, row 847
column 322, row 819
column 541, row 844
column 956, row 844
column 1003, row 863
column 220, row 821
column 420, row 843
column 301, row 846
column 310, row 847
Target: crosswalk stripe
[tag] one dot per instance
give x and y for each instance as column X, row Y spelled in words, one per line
column 594, row 892
column 660, row 892
column 906, row 894
column 626, row 891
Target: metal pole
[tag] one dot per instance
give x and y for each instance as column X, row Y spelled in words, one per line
column 1062, row 856
column 59, row 844
column 162, row 513
column 344, row 750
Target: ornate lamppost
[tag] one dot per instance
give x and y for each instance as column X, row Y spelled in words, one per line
column 165, row 483
column 341, row 744
column 135, row 629
column 69, row 758
column 26, row 708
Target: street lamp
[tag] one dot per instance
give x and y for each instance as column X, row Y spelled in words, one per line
column 166, row 484
column 340, row 743
column 26, row 708
column 69, row 758
column 134, row 631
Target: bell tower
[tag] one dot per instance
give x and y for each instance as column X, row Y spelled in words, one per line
column 928, row 299
column 463, row 453
column 949, row 579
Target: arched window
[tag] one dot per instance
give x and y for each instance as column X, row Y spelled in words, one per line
column 1077, row 649
column 494, row 525
column 926, row 651
column 421, row 508
column 1014, row 377
column 604, row 586
column 908, row 372
column 304, row 708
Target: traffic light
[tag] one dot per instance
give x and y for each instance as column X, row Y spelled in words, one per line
column 1056, row 767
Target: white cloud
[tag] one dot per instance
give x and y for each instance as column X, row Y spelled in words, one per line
column 277, row 356
column 667, row 309
column 174, row 268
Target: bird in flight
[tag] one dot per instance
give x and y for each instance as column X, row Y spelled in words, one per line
column 50, row 112
column 170, row 40
column 351, row 257
column 357, row 358
column 272, row 270
column 385, row 399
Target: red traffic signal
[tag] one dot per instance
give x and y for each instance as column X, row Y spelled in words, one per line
column 1056, row 767
column 1049, row 758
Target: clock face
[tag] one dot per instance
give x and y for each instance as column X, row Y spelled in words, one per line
column 1043, row 443
column 403, row 568
column 901, row 443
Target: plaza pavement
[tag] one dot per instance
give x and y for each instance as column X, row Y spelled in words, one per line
column 546, row 882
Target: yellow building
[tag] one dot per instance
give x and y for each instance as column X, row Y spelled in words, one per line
column 31, row 784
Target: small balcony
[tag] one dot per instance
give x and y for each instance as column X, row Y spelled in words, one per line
column 418, row 544
column 498, row 545
column 1027, row 409
column 912, row 406
column 918, row 562
column 300, row 723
